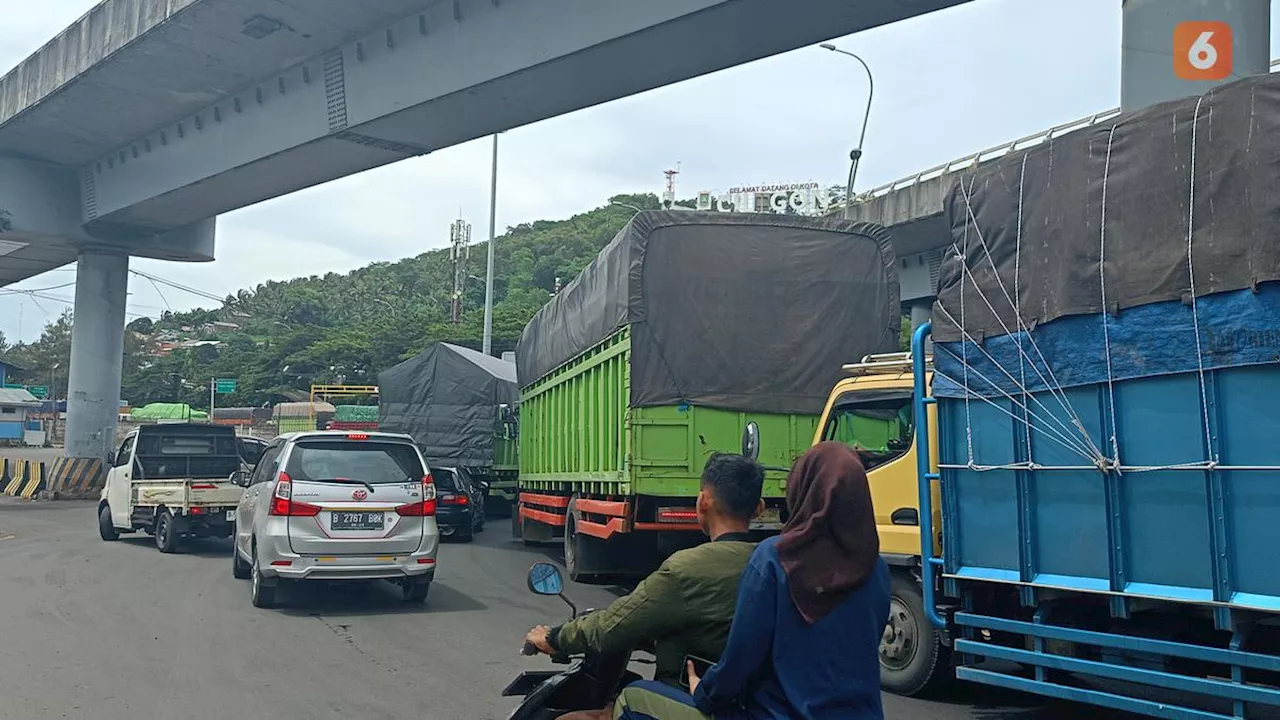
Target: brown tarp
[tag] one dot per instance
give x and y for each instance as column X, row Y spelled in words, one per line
column 1039, row 214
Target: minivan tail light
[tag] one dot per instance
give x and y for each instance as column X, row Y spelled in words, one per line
column 425, row 508
column 282, row 503
column 455, row 500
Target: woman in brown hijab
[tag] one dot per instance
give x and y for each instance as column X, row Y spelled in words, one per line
column 812, row 606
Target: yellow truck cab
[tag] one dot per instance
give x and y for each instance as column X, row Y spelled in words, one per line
column 871, row 409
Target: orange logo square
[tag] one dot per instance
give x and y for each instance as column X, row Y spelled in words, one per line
column 1202, row 50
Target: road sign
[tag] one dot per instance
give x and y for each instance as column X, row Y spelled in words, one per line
column 40, row 391
column 224, row 386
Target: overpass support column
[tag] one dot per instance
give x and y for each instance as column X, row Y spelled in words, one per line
column 97, row 355
column 1166, row 54
column 921, row 312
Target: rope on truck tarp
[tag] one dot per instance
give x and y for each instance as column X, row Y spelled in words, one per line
column 1191, row 272
column 1106, row 313
column 1050, row 382
column 1063, row 434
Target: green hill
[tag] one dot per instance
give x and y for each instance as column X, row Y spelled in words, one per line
column 280, row 337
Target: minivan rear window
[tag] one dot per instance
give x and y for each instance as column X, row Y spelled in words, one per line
column 367, row 460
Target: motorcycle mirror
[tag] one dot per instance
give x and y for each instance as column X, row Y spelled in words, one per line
column 545, row 579
column 751, row 441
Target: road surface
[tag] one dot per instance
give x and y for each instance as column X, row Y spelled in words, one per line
column 117, row 631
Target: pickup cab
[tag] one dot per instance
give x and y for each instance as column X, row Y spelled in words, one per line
column 174, row 483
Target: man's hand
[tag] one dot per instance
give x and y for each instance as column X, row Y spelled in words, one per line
column 693, row 678
column 537, row 637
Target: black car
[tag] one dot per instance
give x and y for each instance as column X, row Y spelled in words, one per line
column 459, row 503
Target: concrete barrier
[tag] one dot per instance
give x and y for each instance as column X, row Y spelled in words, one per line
column 22, row 478
column 35, row 482
column 77, row 478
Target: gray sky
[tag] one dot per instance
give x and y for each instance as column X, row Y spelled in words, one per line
column 947, row 84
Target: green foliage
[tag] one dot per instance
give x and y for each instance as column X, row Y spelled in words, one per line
column 343, row 328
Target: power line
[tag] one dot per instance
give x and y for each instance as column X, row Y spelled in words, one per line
column 179, row 286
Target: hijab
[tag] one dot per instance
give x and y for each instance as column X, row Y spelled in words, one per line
column 829, row 545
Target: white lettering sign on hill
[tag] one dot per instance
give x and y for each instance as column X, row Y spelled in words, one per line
column 798, row 198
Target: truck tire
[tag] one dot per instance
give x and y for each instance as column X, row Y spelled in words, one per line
column 582, row 555
column 516, row 532
column 263, row 591
column 168, row 539
column 913, row 660
column 240, row 569
column 107, row 528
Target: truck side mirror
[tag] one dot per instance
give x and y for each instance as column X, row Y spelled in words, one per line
column 751, row 441
column 111, row 458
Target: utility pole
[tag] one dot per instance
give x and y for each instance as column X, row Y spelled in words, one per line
column 487, row 344
column 213, row 387
column 1172, row 49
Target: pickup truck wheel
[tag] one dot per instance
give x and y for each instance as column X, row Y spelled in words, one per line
column 106, row 528
column 913, row 660
column 240, row 569
column 264, row 591
column 167, row 539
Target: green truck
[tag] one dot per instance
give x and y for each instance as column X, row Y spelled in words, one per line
column 686, row 327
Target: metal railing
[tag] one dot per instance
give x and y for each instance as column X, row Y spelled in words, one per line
column 998, row 151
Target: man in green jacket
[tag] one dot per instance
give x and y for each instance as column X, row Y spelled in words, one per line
column 685, row 607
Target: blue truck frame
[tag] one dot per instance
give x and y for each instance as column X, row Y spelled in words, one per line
column 1154, row 591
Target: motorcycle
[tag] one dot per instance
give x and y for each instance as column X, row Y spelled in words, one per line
column 590, row 682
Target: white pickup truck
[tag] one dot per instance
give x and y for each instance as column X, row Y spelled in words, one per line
column 174, row 482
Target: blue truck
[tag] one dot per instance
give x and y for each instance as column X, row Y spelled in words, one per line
column 1094, row 443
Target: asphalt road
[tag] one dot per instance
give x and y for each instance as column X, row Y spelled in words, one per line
column 118, row 631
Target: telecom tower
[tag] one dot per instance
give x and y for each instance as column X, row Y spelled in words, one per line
column 669, row 197
column 460, row 238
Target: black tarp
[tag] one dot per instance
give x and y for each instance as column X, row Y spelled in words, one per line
column 745, row 312
column 447, row 399
column 1039, row 214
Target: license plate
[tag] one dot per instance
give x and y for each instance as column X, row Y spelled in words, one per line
column 231, row 516
column 356, row 521
column 768, row 520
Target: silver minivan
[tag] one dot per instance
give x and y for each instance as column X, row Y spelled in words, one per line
column 337, row 506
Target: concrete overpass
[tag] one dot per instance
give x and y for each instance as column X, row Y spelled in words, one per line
column 133, row 129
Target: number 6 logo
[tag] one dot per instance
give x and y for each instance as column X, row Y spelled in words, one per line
column 1202, row 51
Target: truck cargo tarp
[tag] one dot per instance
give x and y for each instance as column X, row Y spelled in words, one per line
column 745, row 312
column 447, row 399
column 167, row 411
column 1198, row 177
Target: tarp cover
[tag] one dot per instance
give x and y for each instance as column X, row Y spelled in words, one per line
column 1037, row 216
column 355, row 413
column 447, row 399
column 167, row 411
column 746, row 312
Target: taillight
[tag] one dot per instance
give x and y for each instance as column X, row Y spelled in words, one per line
column 425, row 508
column 677, row 515
column 455, row 500
column 357, row 436
column 282, row 503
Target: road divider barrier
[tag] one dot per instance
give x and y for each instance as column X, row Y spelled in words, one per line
column 22, row 478
column 77, row 478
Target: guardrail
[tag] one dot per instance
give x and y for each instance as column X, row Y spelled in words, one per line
column 998, row 151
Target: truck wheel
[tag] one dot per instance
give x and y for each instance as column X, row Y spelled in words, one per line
column 240, row 569
column 167, row 539
column 578, row 556
column 516, row 532
column 264, row 591
column 106, row 528
column 913, row 660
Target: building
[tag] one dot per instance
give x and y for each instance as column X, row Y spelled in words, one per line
column 6, row 370
column 16, row 428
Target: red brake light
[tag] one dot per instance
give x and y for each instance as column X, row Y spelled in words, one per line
column 677, row 515
column 357, row 436
column 282, row 503
column 455, row 500
column 426, row 508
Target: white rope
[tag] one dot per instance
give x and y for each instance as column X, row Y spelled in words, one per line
column 964, row 263
column 1062, row 439
column 1102, row 281
column 1191, row 271
column 1089, row 452
column 1054, row 387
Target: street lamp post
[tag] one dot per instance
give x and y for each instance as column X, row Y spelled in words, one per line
column 855, row 157
column 493, row 236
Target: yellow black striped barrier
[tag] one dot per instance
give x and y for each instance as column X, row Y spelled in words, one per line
column 22, row 478
column 77, row 478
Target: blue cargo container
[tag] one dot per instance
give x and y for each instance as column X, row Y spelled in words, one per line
column 1150, row 584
